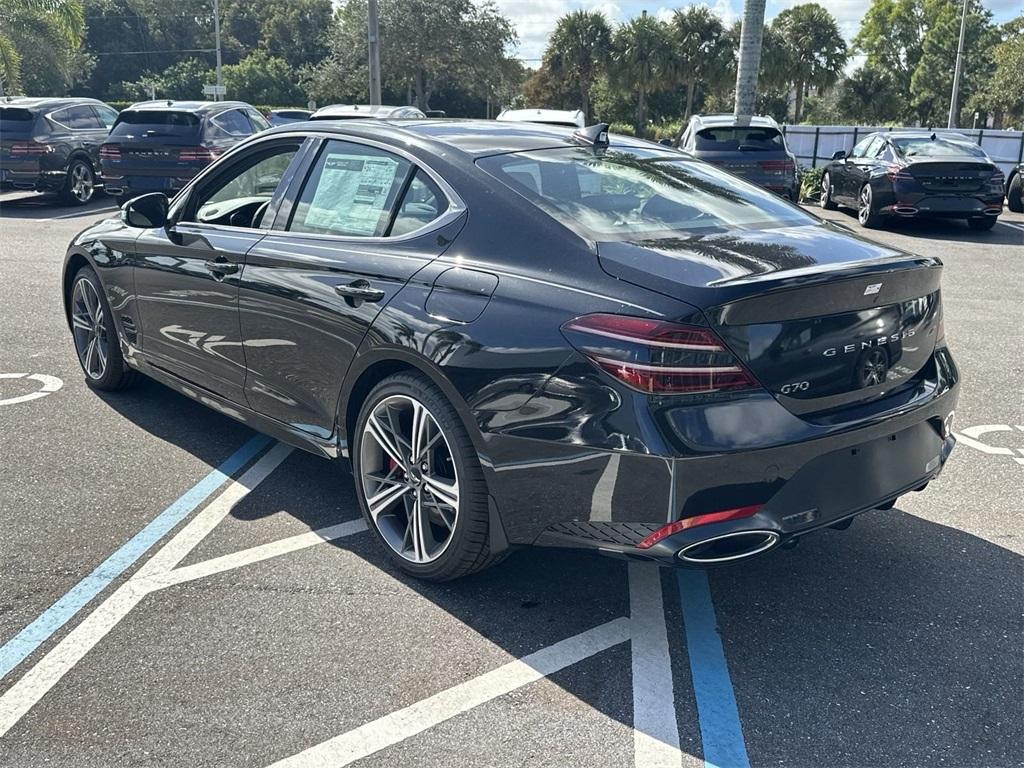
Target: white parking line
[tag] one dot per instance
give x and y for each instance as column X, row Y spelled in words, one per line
column 1013, row 224
column 416, row 718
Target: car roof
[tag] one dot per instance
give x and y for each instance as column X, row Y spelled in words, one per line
column 199, row 107
column 476, row 138
column 760, row 121
column 558, row 116
column 44, row 104
column 350, row 111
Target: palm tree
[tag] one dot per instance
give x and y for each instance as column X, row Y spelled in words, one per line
column 579, row 49
column 641, row 52
column 817, row 51
column 62, row 20
column 702, row 50
column 749, row 56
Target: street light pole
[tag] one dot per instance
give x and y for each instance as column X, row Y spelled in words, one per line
column 216, row 30
column 954, row 107
column 373, row 38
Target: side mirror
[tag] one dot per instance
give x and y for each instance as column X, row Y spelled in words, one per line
column 665, row 142
column 840, row 155
column 146, row 211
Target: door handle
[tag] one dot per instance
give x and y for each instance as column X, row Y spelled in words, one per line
column 359, row 291
column 222, row 267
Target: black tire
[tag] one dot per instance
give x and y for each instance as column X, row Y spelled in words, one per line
column 867, row 211
column 825, row 200
column 80, row 183
column 116, row 374
column 1015, row 193
column 982, row 224
column 467, row 550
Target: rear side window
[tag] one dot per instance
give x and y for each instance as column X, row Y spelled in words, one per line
column 80, row 118
column 422, row 203
column 138, row 123
column 259, row 122
column 232, row 122
column 350, row 191
column 15, row 122
column 107, row 115
column 735, row 139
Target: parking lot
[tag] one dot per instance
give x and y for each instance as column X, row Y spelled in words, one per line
column 179, row 591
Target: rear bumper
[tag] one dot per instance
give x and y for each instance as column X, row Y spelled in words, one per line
column 37, row 180
column 129, row 186
column 944, row 206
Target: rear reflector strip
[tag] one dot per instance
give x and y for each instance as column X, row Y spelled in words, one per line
column 692, row 522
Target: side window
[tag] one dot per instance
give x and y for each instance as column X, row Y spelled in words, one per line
column 259, row 122
column 240, row 195
column 80, row 118
column 350, row 191
column 422, row 203
column 885, row 153
column 107, row 116
column 863, row 147
column 233, row 123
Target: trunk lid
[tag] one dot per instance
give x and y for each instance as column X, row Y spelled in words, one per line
column 822, row 319
column 952, row 176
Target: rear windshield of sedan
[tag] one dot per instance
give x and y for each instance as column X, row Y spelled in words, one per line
column 629, row 194
column 736, row 139
column 924, row 146
column 155, row 123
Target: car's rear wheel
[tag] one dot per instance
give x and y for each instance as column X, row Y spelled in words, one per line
column 92, row 326
column 982, row 223
column 80, row 185
column 419, row 481
column 1015, row 193
column 826, row 201
column 867, row 213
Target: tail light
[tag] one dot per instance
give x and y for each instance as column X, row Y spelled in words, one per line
column 894, row 172
column 196, row 155
column 692, row 522
column 30, row 149
column 108, row 152
column 996, row 182
column 785, row 166
column 658, row 357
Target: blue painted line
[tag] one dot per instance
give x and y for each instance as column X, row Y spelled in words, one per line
column 720, row 730
column 15, row 650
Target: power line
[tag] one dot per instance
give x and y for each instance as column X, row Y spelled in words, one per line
column 143, row 53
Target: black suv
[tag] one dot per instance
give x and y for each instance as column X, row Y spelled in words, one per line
column 158, row 146
column 52, row 145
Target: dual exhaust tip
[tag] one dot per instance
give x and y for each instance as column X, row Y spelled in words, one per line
column 728, row 547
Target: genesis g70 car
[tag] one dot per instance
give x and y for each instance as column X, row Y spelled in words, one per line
column 520, row 334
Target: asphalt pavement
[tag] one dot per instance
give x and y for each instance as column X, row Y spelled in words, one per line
column 176, row 590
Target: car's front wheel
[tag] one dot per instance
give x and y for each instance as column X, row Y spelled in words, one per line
column 419, row 481
column 867, row 212
column 80, row 185
column 982, row 223
column 826, row 201
column 92, row 327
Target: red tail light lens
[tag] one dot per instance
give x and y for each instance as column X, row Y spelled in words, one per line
column 658, row 357
column 692, row 522
column 110, row 153
column 786, row 166
column 894, row 172
column 196, row 155
column 30, row 149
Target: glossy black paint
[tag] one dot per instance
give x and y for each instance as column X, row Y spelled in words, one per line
column 63, row 143
column 909, row 187
column 476, row 302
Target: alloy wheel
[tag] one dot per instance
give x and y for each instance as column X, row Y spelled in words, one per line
column 864, row 209
column 89, row 328
column 82, row 182
column 409, row 478
column 826, row 183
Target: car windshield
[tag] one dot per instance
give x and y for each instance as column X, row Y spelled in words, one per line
column 639, row 194
column 735, row 138
column 133, row 123
column 925, row 146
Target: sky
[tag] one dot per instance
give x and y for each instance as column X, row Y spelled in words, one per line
column 534, row 19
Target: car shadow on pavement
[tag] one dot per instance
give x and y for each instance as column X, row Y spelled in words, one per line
column 940, row 229
column 34, row 205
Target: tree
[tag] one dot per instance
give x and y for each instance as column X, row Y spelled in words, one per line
column 184, row 80
column 543, row 88
column 260, row 78
column 1003, row 94
column 641, row 53
column 579, row 50
column 48, row 30
column 702, row 51
column 869, row 96
column 749, row 56
column 293, row 30
column 815, row 49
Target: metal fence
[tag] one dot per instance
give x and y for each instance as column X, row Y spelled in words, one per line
column 814, row 145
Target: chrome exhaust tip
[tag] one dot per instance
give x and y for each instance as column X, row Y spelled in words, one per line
column 728, row 547
column 905, row 210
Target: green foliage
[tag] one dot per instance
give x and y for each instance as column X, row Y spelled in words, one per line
column 703, row 53
column 869, row 95
column 260, row 78
column 578, row 52
column 40, row 46
column 810, row 184
column 184, row 80
column 812, row 47
column 293, row 30
column 641, row 54
column 1003, row 95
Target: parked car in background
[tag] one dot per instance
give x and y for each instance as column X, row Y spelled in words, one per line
column 158, row 146
column 573, row 118
column 52, row 145
column 1015, row 189
column 285, row 116
column 752, row 147
column 909, row 174
column 370, row 111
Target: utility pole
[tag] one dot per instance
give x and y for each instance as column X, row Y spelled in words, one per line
column 373, row 38
column 954, row 107
column 216, row 30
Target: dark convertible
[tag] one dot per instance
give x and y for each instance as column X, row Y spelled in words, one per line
column 521, row 334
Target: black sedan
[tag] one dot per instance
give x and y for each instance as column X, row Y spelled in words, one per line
column 52, row 145
column 907, row 174
column 521, row 334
